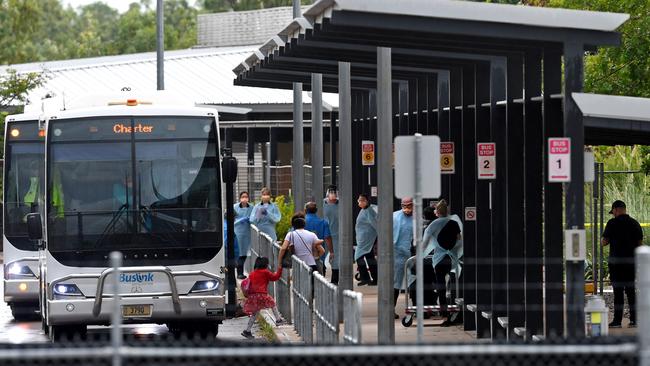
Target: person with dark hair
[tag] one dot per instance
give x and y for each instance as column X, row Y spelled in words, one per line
column 257, row 296
column 243, row 231
column 304, row 242
column 265, row 215
column 321, row 228
column 366, row 236
column 443, row 236
column 331, row 214
column 624, row 235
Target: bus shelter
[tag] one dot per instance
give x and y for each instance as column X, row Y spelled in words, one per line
column 470, row 73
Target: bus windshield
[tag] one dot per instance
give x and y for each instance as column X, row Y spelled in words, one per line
column 23, row 181
column 148, row 187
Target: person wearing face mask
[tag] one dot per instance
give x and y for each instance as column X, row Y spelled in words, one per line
column 402, row 242
column 265, row 215
column 331, row 213
column 243, row 231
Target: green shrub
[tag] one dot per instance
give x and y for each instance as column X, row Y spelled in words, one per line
column 286, row 208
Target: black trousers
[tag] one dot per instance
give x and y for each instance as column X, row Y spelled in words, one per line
column 366, row 271
column 442, row 269
column 429, row 285
column 622, row 276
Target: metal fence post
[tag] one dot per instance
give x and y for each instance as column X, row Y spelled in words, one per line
column 352, row 307
column 116, row 317
column 643, row 302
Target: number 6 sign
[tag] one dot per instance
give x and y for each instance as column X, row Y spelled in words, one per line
column 487, row 164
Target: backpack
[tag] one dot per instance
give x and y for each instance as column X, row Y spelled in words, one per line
column 245, row 286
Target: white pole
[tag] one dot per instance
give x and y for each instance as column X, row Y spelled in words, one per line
column 116, row 316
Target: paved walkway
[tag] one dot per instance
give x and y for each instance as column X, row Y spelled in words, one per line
column 433, row 333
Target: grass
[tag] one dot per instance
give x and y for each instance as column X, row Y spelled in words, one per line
column 266, row 330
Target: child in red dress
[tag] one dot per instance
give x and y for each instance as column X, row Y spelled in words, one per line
column 257, row 294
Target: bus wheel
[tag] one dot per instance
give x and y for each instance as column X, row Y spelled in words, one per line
column 67, row 333
column 23, row 312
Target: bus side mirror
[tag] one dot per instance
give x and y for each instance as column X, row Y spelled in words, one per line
column 229, row 169
column 34, row 226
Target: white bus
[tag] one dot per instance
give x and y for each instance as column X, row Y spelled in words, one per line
column 23, row 194
column 142, row 179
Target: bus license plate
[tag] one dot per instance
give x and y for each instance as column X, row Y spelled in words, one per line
column 131, row 311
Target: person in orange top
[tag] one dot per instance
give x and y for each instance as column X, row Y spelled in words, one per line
column 257, row 296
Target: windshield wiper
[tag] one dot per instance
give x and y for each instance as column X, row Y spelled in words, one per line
column 111, row 225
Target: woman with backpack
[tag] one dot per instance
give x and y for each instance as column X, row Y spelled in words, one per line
column 255, row 288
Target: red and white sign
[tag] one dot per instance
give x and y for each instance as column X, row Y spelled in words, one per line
column 487, row 160
column 559, row 159
column 368, row 153
column 447, row 161
column 470, row 213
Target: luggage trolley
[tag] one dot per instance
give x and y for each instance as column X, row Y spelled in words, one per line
column 410, row 311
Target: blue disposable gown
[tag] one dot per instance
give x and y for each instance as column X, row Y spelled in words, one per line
column 265, row 217
column 431, row 242
column 366, row 231
column 402, row 241
column 243, row 228
column 331, row 213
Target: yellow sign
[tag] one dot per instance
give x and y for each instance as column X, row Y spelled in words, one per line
column 447, row 161
column 368, row 153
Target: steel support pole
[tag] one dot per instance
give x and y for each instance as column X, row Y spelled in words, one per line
column 574, row 193
column 386, row 323
column 643, row 302
column 346, row 229
column 417, row 236
column 333, row 147
column 297, row 164
column 317, row 140
column 160, row 45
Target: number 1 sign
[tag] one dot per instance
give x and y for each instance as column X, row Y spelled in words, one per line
column 559, row 159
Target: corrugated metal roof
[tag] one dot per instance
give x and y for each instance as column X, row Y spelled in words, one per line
column 241, row 27
column 613, row 107
column 203, row 75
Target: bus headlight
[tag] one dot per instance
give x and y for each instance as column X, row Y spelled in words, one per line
column 63, row 289
column 205, row 286
column 16, row 270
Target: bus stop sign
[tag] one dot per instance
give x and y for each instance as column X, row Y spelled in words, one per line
column 428, row 171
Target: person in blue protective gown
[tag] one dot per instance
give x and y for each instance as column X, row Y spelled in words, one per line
column 243, row 231
column 321, row 228
column 331, row 214
column 366, row 236
column 265, row 215
column 443, row 236
column 402, row 242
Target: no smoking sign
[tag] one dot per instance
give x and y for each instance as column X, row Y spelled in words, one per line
column 470, row 213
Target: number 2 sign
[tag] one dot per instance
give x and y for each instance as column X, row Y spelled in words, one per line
column 487, row 164
column 559, row 159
